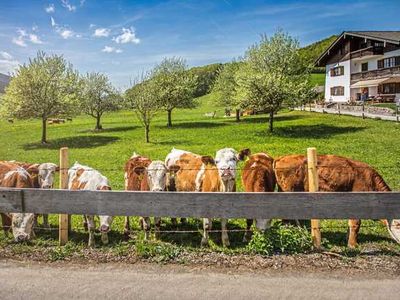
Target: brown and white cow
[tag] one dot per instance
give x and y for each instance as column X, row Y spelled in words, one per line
column 141, row 174
column 336, row 174
column 14, row 176
column 204, row 174
column 257, row 176
column 82, row 177
column 42, row 176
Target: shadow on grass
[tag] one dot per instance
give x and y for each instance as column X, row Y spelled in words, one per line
column 264, row 119
column 316, row 131
column 77, row 142
column 112, row 129
column 192, row 125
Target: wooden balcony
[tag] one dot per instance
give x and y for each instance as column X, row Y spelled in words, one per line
column 371, row 50
column 376, row 74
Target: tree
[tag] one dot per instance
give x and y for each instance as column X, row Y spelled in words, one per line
column 226, row 88
column 143, row 98
column 271, row 74
column 98, row 96
column 175, row 85
column 45, row 87
column 206, row 76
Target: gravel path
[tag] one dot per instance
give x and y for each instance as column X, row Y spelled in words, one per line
column 353, row 113
column 21, row 280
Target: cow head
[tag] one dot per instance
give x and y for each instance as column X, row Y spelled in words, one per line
column 226, row 161
column 105, row 221
column 22, row 226
column 46, row 175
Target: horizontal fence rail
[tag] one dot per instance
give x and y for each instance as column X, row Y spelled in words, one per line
column 297, row 205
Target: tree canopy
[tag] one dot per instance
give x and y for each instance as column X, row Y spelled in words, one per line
column 45, row 87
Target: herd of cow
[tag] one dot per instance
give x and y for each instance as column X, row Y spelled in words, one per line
column 183, row 171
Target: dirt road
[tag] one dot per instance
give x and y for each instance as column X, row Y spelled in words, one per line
column 36, row 281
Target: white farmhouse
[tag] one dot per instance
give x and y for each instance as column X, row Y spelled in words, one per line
column 362, row 65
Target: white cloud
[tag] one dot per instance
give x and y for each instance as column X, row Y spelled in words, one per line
column 20, row 39
column 66, row 33
column 101, row 32
column 128, row 36
column 92, row 25
column 53, row 22
column 35, row 28
column 109, row 49
column 8, row 66
column 67, row 5
column 6, row 55
column 82, row 2
column 34, row 39
column 50, row 8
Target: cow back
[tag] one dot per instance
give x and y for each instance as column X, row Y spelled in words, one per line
column 258, row 174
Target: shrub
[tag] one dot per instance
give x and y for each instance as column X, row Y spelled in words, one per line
column 159, row 251
column 281, row 239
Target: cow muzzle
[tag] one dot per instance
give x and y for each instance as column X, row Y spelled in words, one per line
column 104, row 228
column 22, row 238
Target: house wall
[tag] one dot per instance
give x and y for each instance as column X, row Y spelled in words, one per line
column 372, row 61
column 343, row 80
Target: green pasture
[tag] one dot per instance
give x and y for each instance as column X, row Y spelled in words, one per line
column 372, row 141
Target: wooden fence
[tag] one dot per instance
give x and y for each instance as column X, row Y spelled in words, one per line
column 300, row 205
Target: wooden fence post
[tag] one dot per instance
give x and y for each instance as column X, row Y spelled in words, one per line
column 363, row 110
column 313, row 187
column 63, row 218
column 397, row 113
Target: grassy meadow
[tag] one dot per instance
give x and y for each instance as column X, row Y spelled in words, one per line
column 372, row 141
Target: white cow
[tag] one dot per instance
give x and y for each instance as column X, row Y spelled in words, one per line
column 85, row 178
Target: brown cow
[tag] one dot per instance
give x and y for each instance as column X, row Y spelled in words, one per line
column 336, row 174
column 13, row 176
column 144, row 176
column 257, row 176
column 136, row 181
column 204, row 174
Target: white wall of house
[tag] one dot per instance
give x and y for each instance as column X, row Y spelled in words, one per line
column 332, row 81
column 372, row 61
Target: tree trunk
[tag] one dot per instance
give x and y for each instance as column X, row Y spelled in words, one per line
column 44, row 130
column 98, row 125
column 237, row 115
column 271, row 121
column 146, row 133
column 169, row 124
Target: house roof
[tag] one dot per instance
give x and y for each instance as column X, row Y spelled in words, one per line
column 392, row 37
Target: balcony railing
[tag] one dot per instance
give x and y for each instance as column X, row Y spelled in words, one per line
column 371, row 50
column 376, row 74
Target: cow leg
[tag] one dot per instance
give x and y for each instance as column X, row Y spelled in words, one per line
column 174, row 222
column 85, row 223
column 145, row 221
column 207, row 224
column 183, row 221
column 91, row 228
column 224, row 235
column 247, row 234
column 127, row 227
column 263, row 224
column 46, row 220
column 6, row 223
column 157, row 225
column 354, row 228
column 35, row 221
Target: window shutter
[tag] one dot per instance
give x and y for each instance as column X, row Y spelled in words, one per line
column 380, row 64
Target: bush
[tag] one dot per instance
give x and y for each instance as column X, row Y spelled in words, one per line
column 286, row 239
column 159, row 251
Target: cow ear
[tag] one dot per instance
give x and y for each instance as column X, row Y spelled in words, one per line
column 207, row 160
column 139, row 170
column 57, row 169
column 243, row 154
column 174, row 168
column 33, row 169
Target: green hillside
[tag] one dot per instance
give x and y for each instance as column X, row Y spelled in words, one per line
column 311, row 52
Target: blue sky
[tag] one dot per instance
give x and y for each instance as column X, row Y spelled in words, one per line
column 124, row 38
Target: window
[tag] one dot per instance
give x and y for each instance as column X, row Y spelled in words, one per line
column 389, row 62
column 337, row 71
column 389, row 88
column 364, row 67
column 337, row 91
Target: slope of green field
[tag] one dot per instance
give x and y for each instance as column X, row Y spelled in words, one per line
column 318, row 79
column 371, row 141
